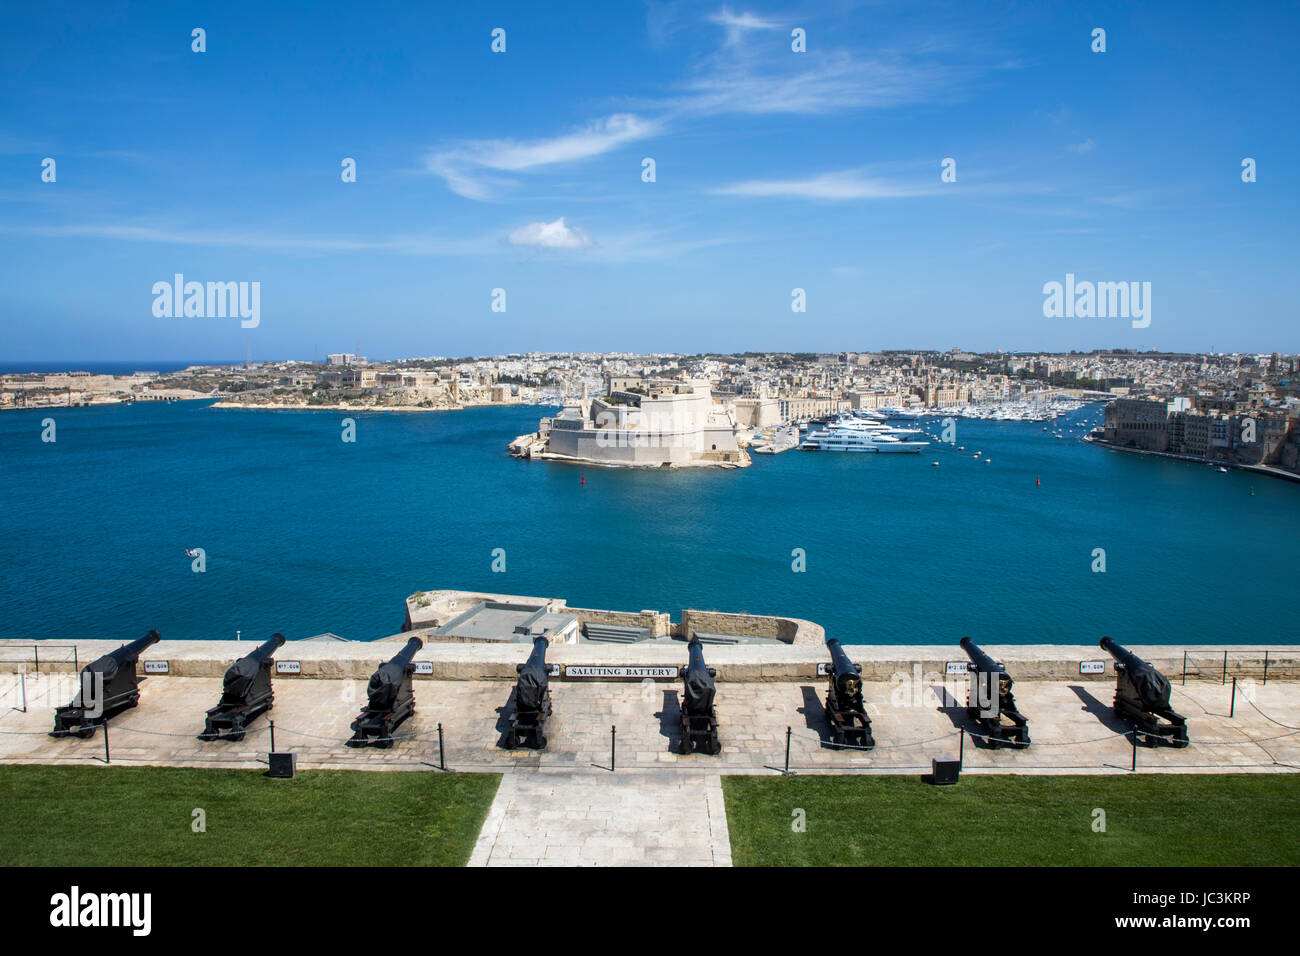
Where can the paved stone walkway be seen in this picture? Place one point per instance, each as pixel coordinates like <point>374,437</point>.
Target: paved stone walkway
<point>582,818</point>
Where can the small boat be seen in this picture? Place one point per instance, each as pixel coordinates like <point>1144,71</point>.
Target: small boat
<point>1221,470</point>
<point>934,464</point>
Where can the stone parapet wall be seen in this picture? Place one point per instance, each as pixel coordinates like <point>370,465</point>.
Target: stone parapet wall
<point>660,624</point>
<point>791,630</point>
<point>767,662</point>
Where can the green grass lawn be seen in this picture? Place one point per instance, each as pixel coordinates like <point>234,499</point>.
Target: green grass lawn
<point>142,816</point>
<point>1151,820</point>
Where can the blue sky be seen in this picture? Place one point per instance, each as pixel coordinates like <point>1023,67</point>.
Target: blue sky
<point>523,171</point>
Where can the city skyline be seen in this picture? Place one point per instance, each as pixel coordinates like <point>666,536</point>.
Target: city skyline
<point>775,170</point>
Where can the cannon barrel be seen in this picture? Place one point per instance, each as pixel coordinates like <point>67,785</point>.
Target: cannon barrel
<point>108,664</point>
<point>267,648</point>
<point>1120,653</point>
<point>403,657</point>
<point>981,660</point>
<point>129,652</point>
<point>845,672</point>
<point>537,657</point>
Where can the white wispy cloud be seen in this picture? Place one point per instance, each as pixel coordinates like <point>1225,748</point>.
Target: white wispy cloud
<point>413,244</point>
<point>615,247</point>
<point>738,24</point>
<point>1085,147</point>
<point>832,187</point>
<point>469,167</point>
<point>550,235</point>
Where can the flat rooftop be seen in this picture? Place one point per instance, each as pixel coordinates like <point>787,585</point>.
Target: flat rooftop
<point>509,623</point>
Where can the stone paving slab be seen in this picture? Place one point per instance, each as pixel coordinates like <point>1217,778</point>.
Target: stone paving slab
<point>1071,725</point>
<point>575,818</point>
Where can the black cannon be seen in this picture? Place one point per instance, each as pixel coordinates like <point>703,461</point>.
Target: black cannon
<point>245,693</point>
<point>391,700</point>
<point>1142,698</point>
<point>109,685</point>
<point>850,725</point>
<point>532,700</point>
<point>993,707</point>
<point>699,716</point>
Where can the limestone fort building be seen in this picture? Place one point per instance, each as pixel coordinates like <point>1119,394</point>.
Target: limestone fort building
<point>641,424</point>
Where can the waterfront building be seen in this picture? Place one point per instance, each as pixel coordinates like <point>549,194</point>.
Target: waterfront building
<point>661,423</point>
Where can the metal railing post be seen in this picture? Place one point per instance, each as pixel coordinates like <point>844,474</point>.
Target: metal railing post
<point>36,657</point>
<point>1266,668</point>
<point>961,748</point>
<point>107,757</point>
<point>22,679</point>
<point>442,754</point>
<point>1135,752</point>
<point>1225,668</point>
<point>273,736</point>
<point>1232,708</point>
<point>613,734</point>
<point>787,751</point>
<point>1184,668</point>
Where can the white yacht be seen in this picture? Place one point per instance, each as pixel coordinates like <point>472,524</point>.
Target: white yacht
<point>840,438</point>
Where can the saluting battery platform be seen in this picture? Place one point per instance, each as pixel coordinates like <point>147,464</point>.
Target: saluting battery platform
<point>109,685</point>
<point>993,707</point>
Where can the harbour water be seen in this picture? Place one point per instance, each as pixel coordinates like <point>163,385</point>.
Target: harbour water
<point>305,533</point>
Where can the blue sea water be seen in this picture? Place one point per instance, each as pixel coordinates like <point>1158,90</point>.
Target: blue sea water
<point>305,533</point>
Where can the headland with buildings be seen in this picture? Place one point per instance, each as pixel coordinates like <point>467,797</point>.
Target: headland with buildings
<point>676,410</point>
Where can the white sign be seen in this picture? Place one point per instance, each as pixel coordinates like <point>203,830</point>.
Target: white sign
<point>958,667</point>
<point>625,671</point>
<point>823,669</point>
<point>155,667</point>
<point>1092,667</point>
<point>424,667</point>
<point>288,667</point>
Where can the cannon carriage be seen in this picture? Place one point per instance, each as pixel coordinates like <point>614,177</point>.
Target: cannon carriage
<point>108,686</point>
<point>532,700</point>
<point>390,700</point>
<point>990,702</point>
<point>1142,698</point>
<point>845,711</point>
<point>245,694</point>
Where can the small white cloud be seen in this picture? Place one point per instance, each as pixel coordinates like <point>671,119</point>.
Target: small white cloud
<point>550,235</point>
<point>1084,147</point>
